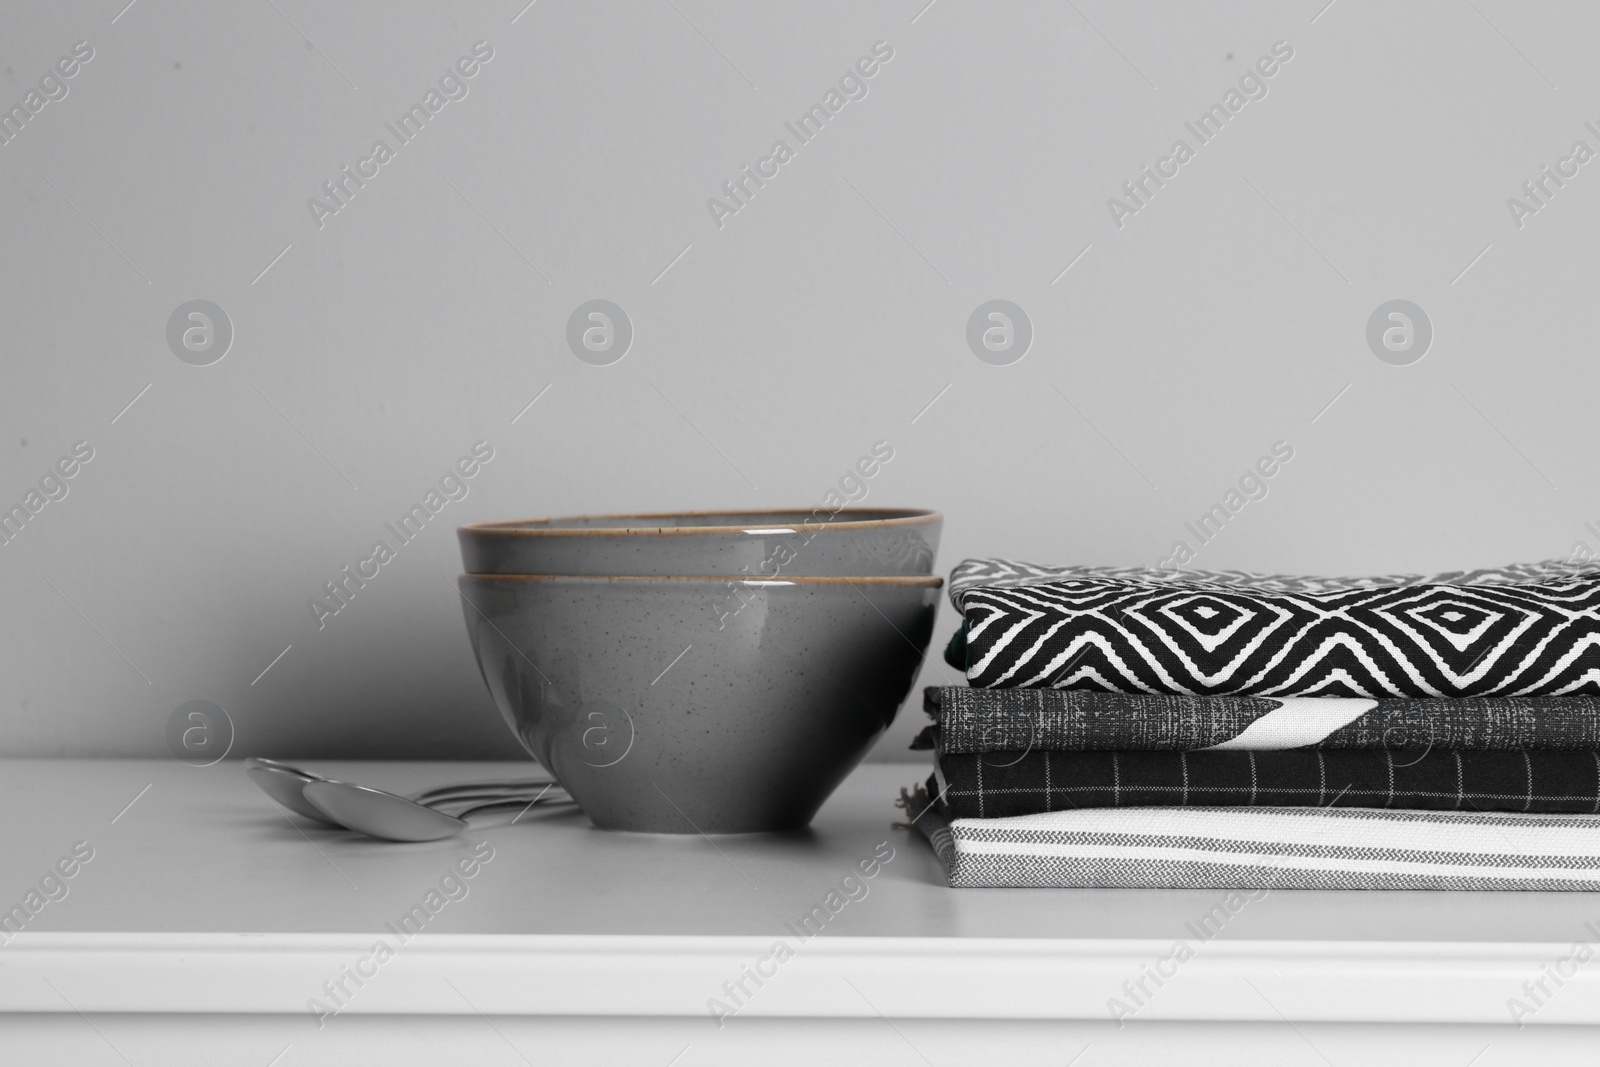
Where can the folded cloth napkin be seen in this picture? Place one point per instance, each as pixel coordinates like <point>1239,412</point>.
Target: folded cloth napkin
<point>1124,635</point>
<point>1001,784</point>
<point>1015,720</point>
<point>1008,573</point>
<point>1264,848</point>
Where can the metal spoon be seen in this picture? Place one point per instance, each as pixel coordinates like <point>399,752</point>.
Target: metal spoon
<point>422,796</point>
<point>286,784</point>
<point>391,817</point>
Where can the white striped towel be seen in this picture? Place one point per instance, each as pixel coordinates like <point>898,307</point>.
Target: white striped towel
<point>1265,848</point>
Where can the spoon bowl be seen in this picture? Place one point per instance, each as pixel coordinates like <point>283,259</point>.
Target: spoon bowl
<point>285,787</point>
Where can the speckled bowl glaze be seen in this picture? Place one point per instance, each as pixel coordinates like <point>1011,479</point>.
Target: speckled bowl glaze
<point>754,544</point>
<point>685,705</point>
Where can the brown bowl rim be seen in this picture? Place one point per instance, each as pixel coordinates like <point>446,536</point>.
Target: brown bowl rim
<point>891,518</point>
<point>908,581</point>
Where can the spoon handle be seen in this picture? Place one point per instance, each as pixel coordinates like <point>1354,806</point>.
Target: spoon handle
<point>546,798</point>
<point>443,792</point>
<point>507,796</point>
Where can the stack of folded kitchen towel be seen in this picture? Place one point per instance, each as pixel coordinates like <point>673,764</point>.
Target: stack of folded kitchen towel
<point>1134,728</point>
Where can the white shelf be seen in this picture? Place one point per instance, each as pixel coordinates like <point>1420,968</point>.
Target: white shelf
<point>202,898</point>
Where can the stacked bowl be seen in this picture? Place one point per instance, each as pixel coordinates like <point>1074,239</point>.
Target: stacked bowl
<point>707,672</point>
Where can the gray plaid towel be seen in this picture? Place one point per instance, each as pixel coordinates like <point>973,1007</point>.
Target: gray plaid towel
<point>1263,848</point>
<point>1016,720</point>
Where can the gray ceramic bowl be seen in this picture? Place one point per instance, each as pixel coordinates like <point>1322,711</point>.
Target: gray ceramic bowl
<point>684,705</point>
<point>755,544</point>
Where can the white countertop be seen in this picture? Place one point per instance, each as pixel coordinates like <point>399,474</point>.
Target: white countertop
<point>203,897</point>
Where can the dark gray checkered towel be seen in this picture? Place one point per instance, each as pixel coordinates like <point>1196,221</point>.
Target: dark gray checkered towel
<point>999,784</point>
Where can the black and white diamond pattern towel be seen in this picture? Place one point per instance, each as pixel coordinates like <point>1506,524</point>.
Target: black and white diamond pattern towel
<point>1156,636</point>
<point>1017,720</point>
<point>1264,848</point>
<point>1008,573</point>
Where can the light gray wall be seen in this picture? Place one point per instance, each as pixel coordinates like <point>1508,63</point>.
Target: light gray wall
<point>1222,317</point>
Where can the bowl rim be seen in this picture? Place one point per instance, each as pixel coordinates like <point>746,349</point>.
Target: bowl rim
<point>908,581</point>
<point>880,518</point>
